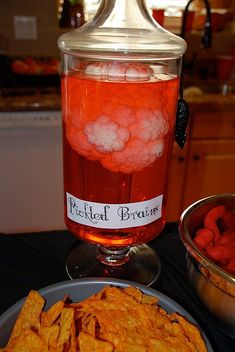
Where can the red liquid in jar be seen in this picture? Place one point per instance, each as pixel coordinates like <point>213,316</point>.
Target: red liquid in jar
<point>112,152</point>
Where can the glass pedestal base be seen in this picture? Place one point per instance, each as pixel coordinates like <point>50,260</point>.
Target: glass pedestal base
<point>139,264</point>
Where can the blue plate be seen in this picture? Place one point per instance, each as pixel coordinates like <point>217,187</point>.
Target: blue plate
<point>80,289</point>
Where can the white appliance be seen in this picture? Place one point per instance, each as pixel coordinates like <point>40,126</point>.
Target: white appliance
<point>31,173</point>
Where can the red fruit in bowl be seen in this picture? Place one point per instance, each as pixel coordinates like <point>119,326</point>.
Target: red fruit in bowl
<point>230,267</point>
<point>227,237</point>
<point>221,252</point>
<point>34,67</point>
<point>54,62</point>
<point>49,69</point>
<point>204,238</point>
<point>19,66</point>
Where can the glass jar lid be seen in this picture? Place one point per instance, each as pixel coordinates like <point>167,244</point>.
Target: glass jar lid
<point>121,30</point>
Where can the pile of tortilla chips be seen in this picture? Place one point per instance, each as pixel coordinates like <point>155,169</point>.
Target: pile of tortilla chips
<point>114,319</point>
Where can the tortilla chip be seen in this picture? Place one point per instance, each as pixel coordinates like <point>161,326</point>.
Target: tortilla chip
<point>117,295</point>
<point>132,291</point>
<point>89,325</point>
<point>73,339</point>
<point>66,320</point>
<point>28,341</point>
<point>114,319</point>
<point>52,314</point>
<point>56,349</point>
<point>146,299</point>
<point>127,347</point>
<point>89,343</point>
<point>50,334</point>
<point>29,316</point>
<point>192,332</point>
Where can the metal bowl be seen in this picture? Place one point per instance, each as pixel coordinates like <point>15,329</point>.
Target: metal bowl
<point>214,286</point>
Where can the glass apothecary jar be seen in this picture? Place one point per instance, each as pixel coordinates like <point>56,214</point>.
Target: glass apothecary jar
<point>120,84</point>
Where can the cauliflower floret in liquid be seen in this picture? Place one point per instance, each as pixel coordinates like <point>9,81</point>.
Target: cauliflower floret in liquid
<point>149,125</point>
<point>136,156</point>
<point>106,135</point>
<point>128,145</point>
<point>117,71</point>
<point>121,125</point>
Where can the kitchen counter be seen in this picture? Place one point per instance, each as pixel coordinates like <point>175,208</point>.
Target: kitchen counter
<point>30,99</point>
<point>213,100</point>
<point>49,98</point>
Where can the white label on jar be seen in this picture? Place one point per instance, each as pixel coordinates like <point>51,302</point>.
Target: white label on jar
<point>113,216</point>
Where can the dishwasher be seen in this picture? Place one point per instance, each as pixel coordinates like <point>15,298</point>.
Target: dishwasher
<point>31,187</point>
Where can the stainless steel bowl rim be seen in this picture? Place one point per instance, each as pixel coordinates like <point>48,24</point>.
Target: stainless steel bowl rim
<point>187,240</point>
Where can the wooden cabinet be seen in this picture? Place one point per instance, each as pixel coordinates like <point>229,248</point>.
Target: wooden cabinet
<point>206,165</point>
<point>210,169</point>
<point>176,182</point>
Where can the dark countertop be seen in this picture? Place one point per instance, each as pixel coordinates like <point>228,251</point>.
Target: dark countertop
<point>36,260</point>
<point>30,103</point>
<point>30,98</point>
<point>212,101</point>
<point>49,98</point>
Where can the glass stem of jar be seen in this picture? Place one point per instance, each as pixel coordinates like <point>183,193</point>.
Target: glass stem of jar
<point>113,256</point>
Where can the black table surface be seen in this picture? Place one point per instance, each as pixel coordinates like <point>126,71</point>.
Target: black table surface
<point>36,260</point>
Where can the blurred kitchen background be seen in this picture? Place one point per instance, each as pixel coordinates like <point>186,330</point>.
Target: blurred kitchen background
<point>31,180</point>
